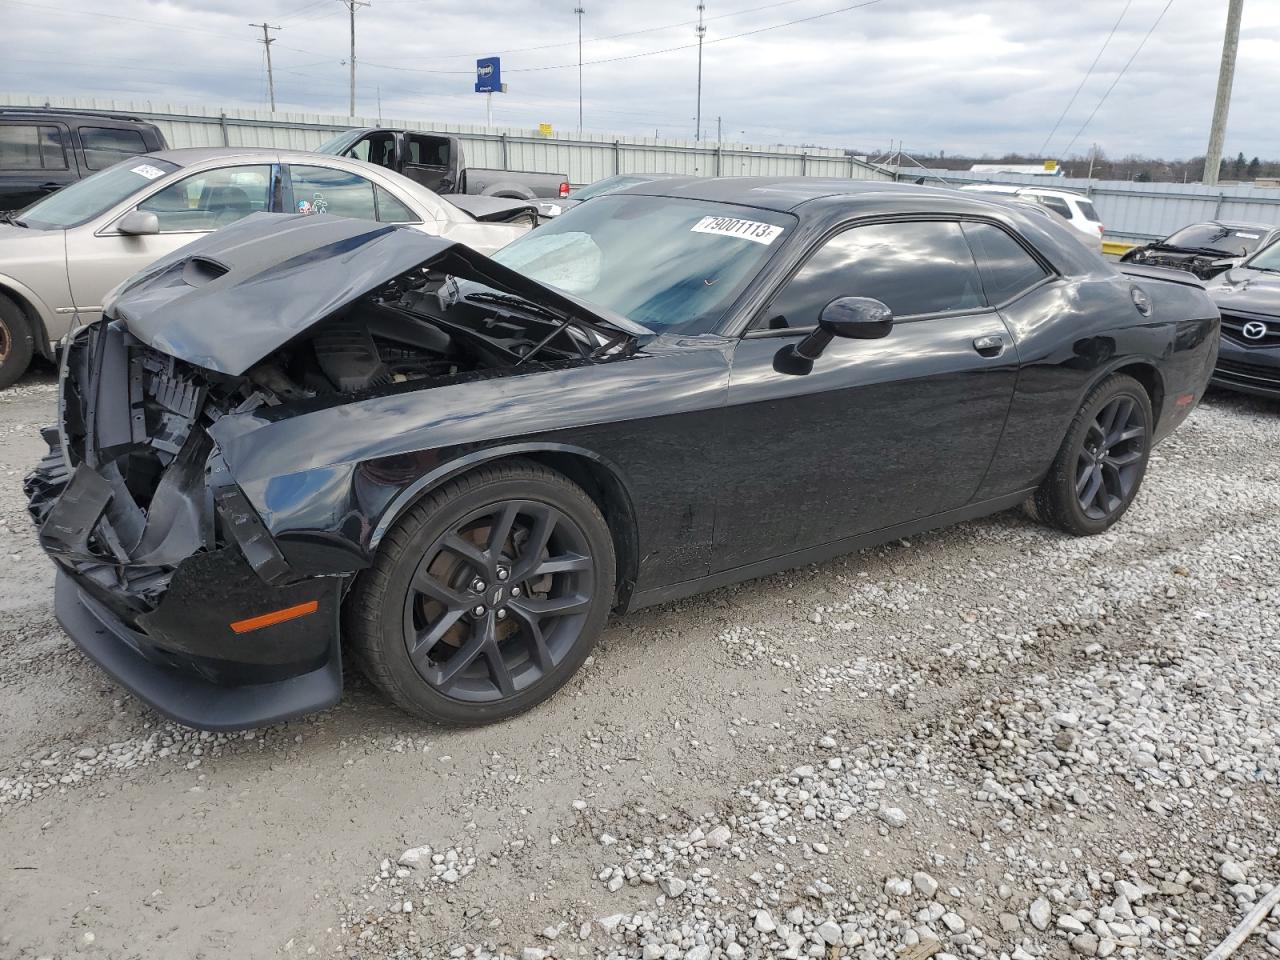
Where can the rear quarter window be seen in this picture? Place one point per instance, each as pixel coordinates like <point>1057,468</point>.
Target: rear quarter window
<point>104,146</point>
<point>1005,267</point>
<point>1090,213</point>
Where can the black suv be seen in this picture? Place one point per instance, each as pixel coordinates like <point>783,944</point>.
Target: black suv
<point>44,150</point>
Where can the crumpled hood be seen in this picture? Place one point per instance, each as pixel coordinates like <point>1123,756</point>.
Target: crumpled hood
<point>1253,291</point>
<point>491,209</point>
<point>227,300</point>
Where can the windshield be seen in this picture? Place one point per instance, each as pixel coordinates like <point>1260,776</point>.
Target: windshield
<point>1267,259</point>
<point>335,144</point>
<point>84,200</point>
<point>668,264</point>
<point>1229,241</point>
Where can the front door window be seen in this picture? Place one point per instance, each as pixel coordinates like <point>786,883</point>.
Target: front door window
<point>211,199</point>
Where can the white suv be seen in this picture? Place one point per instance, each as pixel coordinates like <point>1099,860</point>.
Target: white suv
<point>1075,208</point>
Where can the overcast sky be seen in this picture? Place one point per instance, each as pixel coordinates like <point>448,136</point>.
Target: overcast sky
<point>961,75</point>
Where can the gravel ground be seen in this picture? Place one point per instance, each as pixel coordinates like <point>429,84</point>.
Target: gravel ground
<point>990,741</point>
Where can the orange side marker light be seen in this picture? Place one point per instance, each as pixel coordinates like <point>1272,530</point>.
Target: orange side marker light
<point>275,616</point>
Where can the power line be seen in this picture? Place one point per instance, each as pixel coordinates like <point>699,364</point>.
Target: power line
<point>303,9</point>
<point>618,36</point>
<point>1088,73</point>
<point>1122,72</point>
<point>634,56</point>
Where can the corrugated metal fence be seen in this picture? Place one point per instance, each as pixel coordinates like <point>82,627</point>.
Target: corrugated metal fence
<point>582,159</point>
<point>1131,211</point>
<point>1142,211</point>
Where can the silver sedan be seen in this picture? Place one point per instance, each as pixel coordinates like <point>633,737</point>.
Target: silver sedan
<point>60,256</point>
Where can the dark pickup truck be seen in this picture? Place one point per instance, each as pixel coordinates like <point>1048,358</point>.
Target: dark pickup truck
<point>44,150</point>
<point>437,161</point>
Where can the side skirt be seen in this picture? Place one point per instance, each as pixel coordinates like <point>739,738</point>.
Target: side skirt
<point>825,551</point>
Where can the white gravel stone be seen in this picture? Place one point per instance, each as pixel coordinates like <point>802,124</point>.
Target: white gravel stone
<point>1232,872</point>
<point>1040,913</point>
<point>925,885</point>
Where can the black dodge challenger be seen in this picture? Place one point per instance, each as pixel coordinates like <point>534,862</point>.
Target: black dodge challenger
<point>308,433</point>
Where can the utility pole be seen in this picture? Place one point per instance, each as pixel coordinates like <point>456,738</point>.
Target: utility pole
<point>351,8</point>
<point>267,41</point>
<point>579,11</point>
<point>697,133</point>
<point>1093,155</point>
<point>719,132</point>
<point>1226,73</point>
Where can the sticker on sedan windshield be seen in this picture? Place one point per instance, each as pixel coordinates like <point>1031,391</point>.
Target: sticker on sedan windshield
<point>148,171</point>
<point>1249,236</point>
<point>752,230</point>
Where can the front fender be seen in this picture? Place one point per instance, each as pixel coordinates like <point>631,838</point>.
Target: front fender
<point>441,474</point>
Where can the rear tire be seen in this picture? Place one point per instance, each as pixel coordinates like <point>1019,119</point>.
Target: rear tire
<point>485,597</point>
<point>1102,461</point>
<point>17,342</point>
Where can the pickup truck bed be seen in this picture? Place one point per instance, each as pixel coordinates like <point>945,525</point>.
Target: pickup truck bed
<point>437,161</point>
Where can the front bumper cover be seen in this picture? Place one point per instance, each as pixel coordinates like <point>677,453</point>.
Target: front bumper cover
<point>1252,370</point>
<point>182,694</point>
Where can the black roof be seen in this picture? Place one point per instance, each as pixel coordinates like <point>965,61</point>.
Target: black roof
<point>786,193</point>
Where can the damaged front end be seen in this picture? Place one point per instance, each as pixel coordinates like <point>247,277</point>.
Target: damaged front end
<point>169,577</point>
<point>162,561</point>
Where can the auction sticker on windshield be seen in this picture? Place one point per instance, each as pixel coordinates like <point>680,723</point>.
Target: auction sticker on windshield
<point>752,230</point>
<point>148,171</point>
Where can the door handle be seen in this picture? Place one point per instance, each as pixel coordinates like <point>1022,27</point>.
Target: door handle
<point>991,345</point>
<point>50,186</point>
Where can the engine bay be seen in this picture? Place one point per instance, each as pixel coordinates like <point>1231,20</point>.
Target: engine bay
<point>427,326</point>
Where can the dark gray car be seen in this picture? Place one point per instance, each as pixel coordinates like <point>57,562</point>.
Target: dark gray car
<point>553,208</point>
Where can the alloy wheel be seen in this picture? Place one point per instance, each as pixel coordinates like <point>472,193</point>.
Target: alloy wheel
<point>1111,456</point>
<point>498,600</point>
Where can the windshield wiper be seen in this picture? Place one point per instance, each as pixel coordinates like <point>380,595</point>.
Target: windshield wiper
<point>10,216</point>
<point>511,300</point>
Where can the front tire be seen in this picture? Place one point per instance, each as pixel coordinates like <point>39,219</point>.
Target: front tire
<point>17,343</point>
<point>486,596</point>
<point>1102,461</point>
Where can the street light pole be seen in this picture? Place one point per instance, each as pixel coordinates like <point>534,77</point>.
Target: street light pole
<point>1226,73</point>
<point>697,133</point>
<point>267,41</point>
<point>579,11</point>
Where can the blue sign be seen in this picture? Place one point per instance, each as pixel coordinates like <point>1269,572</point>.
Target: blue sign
<point>489,75</point>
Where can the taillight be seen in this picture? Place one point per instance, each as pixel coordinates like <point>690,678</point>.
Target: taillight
<point>564,189</point>
<point>1101,229</point>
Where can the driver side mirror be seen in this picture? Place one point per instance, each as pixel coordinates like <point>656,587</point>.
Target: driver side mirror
<point>852,318</point>
<point>139,223</point>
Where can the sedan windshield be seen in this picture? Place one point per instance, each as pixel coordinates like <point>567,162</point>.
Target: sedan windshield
<point>1229,241</point>
<point>666,263</point>
<point>74,204</point>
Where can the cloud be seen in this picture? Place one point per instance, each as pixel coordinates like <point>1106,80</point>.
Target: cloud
<point>980,76</point>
